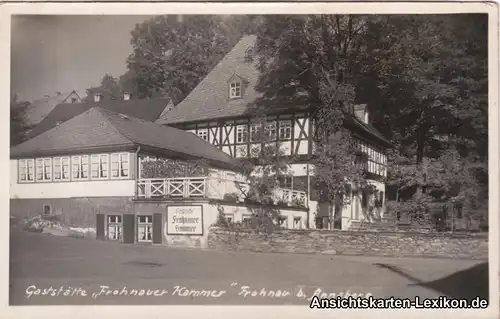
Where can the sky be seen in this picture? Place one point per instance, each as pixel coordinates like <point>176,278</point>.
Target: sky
<point>62,53</point>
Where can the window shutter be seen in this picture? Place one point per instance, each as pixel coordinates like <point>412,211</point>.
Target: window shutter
<point>157,228</point>
<point>314,196</point>
<point>100,225</point>
<point>129,228</point>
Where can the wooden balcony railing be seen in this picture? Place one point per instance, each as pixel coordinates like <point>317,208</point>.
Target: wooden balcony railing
<point>189,187</point>
<point>291,196</point>
<point>200,187</point>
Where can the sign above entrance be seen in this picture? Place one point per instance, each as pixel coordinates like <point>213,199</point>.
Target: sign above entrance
<point>184,220</point>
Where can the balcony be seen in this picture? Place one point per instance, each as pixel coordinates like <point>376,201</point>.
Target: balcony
<point>191,187</point>
<point>207,187</point>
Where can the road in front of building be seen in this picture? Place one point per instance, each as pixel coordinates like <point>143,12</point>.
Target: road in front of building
<point>49,270</point>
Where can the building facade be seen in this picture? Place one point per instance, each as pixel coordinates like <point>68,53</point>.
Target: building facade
<point>98,170</point>
<point>218,111</point>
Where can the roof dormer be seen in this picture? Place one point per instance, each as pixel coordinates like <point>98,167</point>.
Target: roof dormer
<point>236,85</point>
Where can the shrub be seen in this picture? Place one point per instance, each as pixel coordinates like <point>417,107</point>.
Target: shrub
<point>298,203</point>
<point>231,197</point>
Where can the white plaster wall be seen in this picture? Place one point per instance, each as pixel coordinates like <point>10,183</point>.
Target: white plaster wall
<point>237,212</point>
<point>356,212</point>
<point>228,138</point>
<point>104,188</point>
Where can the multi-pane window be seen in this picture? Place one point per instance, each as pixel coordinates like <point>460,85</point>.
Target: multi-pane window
<point>61,168</point>
<point>235,90</point>
<point>99,166</point>
<point>43,169</point>
<point>241,133</point>
<point>254,132</point>
<point>246,219</point>
<point>271,130</point>
<point>203,134</point>
<point>115,227</point>
<point>144,228</point>
<point>376,158</point>
<point>297,222</point>
<point>80,167</point>
<point>285,130</point>
<point>283,221</point>
<point>47,210</point>
<point>229,218</point>
<point>26,170</point>
<point>120,165</point>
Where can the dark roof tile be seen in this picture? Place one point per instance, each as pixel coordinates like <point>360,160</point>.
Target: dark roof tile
<point>210,98</point>
<point>147,109</point>
<point>98,127</point>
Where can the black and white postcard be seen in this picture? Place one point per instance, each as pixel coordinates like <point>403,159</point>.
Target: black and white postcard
<point>334,158</point>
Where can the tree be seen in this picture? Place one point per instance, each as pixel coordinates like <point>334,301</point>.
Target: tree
<point>316,61</point>
<point>423,78</point>
<point>172,55</point>
<point>109,88</point>
<point>18,122</point>
<point>264,172</point>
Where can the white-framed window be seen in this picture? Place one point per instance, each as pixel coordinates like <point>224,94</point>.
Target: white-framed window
<point>144,228</point>
<point>235,90</point>
<point>229,218</point>
<point>297,222</point>
<point>271,130</point>
<point>99,166</point>
<point>43,169</point>
<point>283,221</point>
<point>203,134</point>
<point>47,209</point>
<point>254,132</point>
<point>115,227</point>
<point>61,168</point>
<point>285,130</point>
<point>26,170</point>
<point>120,165</point>
<point>246,218</point>
<point>241,133</point>
<point>80,167</point>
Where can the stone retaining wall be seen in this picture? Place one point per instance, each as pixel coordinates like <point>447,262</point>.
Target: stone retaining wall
<point>396,244</point>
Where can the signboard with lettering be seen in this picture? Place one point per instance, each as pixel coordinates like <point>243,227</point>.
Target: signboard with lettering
<point>185,220</point>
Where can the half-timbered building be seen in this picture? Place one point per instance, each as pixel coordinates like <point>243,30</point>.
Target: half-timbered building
<point>98,170</point>
<point>218,111</point>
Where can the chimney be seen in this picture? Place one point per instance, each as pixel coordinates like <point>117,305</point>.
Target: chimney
<point>97,97</point>
<point>361,112</point>
<point>126,96</point>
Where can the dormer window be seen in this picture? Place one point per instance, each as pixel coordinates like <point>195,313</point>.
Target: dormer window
<point>235,90</point>
<point>97,97</point>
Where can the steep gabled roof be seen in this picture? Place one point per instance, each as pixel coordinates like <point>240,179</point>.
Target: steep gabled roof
<point>39,109</point>
<point>167,109</point>
<point>98,128</point>
<point>147,109</point>
<point>210,98</point>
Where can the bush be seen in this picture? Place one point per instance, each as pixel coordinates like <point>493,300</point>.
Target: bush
<point>39,223</point>
<point>298,203</point>
<point>231,197</point>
